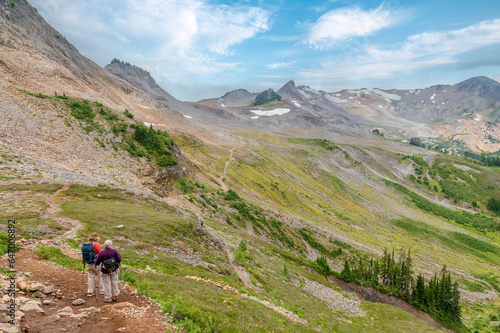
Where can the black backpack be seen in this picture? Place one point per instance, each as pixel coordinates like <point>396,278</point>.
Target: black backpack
<point>88,253</point>
<point>110,265</point>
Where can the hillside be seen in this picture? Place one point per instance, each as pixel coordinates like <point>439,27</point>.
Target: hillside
<point>290,192</point>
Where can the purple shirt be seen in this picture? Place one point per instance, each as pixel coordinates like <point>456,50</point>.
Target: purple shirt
<point>106,254</point>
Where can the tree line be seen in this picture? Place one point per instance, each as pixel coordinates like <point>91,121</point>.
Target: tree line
<point>439,297</point>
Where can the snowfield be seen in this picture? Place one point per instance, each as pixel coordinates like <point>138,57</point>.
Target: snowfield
<point>279,112</point>
<point>385,95</point>
<point>335,99</point>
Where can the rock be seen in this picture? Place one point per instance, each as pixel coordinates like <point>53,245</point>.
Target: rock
<point>31,306</point>
<point>35,287</point>
<point>123,305</point>
<point>54,317</point>
<point>47,302</point>
<point>19,314</point>
<point>38,294</point>
<point>8,328</point>
<point>22,285</point>
<point>121,226</point>
<point>106,318</point>
<point>122,329</point>
<point>78,302</point>
<point>92,308</point>
<point>65,312</point>
<point>5,299</point>
<point>137,260</point>
<point>48,290</point>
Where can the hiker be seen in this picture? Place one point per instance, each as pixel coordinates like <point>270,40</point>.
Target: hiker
<point>110,259</point>
<point>201,221</point>
<point>89,255</point>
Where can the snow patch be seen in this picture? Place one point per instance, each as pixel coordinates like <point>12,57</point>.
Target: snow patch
<point>434,95</point>
<point>393,97</point>
<point>335,99</point>
<point>188,117</point>
<point>296,104</point>
<point>477,117</point>
<point>303,93</point>
<point>254,117</point>
<point>145,107</point>
<point>147,124</point>
<point>279,112</point>
<point>418,92</point>
<point>380,106</point>
<point>222,105</point>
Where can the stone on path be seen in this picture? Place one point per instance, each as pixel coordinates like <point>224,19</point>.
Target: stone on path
<point>78,302</point>
<point>8,328</point>
<point>32,306</point>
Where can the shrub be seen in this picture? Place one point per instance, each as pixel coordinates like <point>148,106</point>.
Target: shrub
<point>166,161</point>
<point>81,110</point>
<point>13,5</point>
<point>128,114</point>
<point>231,196</point>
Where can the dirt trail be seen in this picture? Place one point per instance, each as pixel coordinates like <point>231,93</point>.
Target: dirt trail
<point>132,313</point>
<point>224,172</point>
<point>136,313</point>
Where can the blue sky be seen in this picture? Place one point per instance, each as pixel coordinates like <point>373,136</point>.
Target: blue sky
<point>197,49</point>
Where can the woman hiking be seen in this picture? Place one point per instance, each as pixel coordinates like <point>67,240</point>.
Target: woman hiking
<point>110,259</point>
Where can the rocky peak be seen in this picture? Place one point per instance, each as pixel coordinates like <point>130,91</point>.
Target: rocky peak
<point>482,86</point>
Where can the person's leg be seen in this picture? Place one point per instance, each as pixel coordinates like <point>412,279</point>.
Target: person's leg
<point>107,286</point>
<point>91,278</point>
<point>101,284</point>
<point>114,284</point>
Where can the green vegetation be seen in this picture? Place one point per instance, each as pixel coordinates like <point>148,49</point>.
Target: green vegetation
<point>265,97</point>
<point>440,297</point>
<point>55,255</point>
<point>81,110</point>
<point>158,143</point>
<point>477,221</point>
<point>32,187</point>
<point>13,5</point>
<point>128,114</point>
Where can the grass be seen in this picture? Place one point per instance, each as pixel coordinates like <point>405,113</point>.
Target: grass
<point>44,188</point>
<point>55,255</point>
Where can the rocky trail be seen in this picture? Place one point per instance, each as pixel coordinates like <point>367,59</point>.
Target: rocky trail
<point>52,298</point>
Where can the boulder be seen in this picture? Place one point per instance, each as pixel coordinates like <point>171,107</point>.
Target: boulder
<point>47,302</point>
<point>5,299</point>
<point>22,285</point>
<point>48,290</point>
<point>65,312</point>
<point>8,328</point>
<point>78,302</point>
<point>123,305</point>
<point>55,317</point>
<point>31,307</point>
<point>35,287</point>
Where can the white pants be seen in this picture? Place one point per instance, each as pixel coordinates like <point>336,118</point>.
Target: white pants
<point>110,285</point>
<point>92,277</point>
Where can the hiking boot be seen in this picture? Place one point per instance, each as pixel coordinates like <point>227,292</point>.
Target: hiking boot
<point>90,294</point>
<point>107,300</point>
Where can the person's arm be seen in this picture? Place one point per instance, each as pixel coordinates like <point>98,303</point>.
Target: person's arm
<point>99,259</point>
<point>118,256</point>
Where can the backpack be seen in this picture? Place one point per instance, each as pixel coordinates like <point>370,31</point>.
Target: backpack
<point>109,266</point>
<point>88,253</point>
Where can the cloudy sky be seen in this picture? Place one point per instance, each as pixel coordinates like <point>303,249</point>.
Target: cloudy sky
<point>197,49</point>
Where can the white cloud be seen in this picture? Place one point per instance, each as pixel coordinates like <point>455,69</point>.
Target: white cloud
<point>192,36</point>
<point>418,52</point>
<point>338,25</point>
<point>279,65</point>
